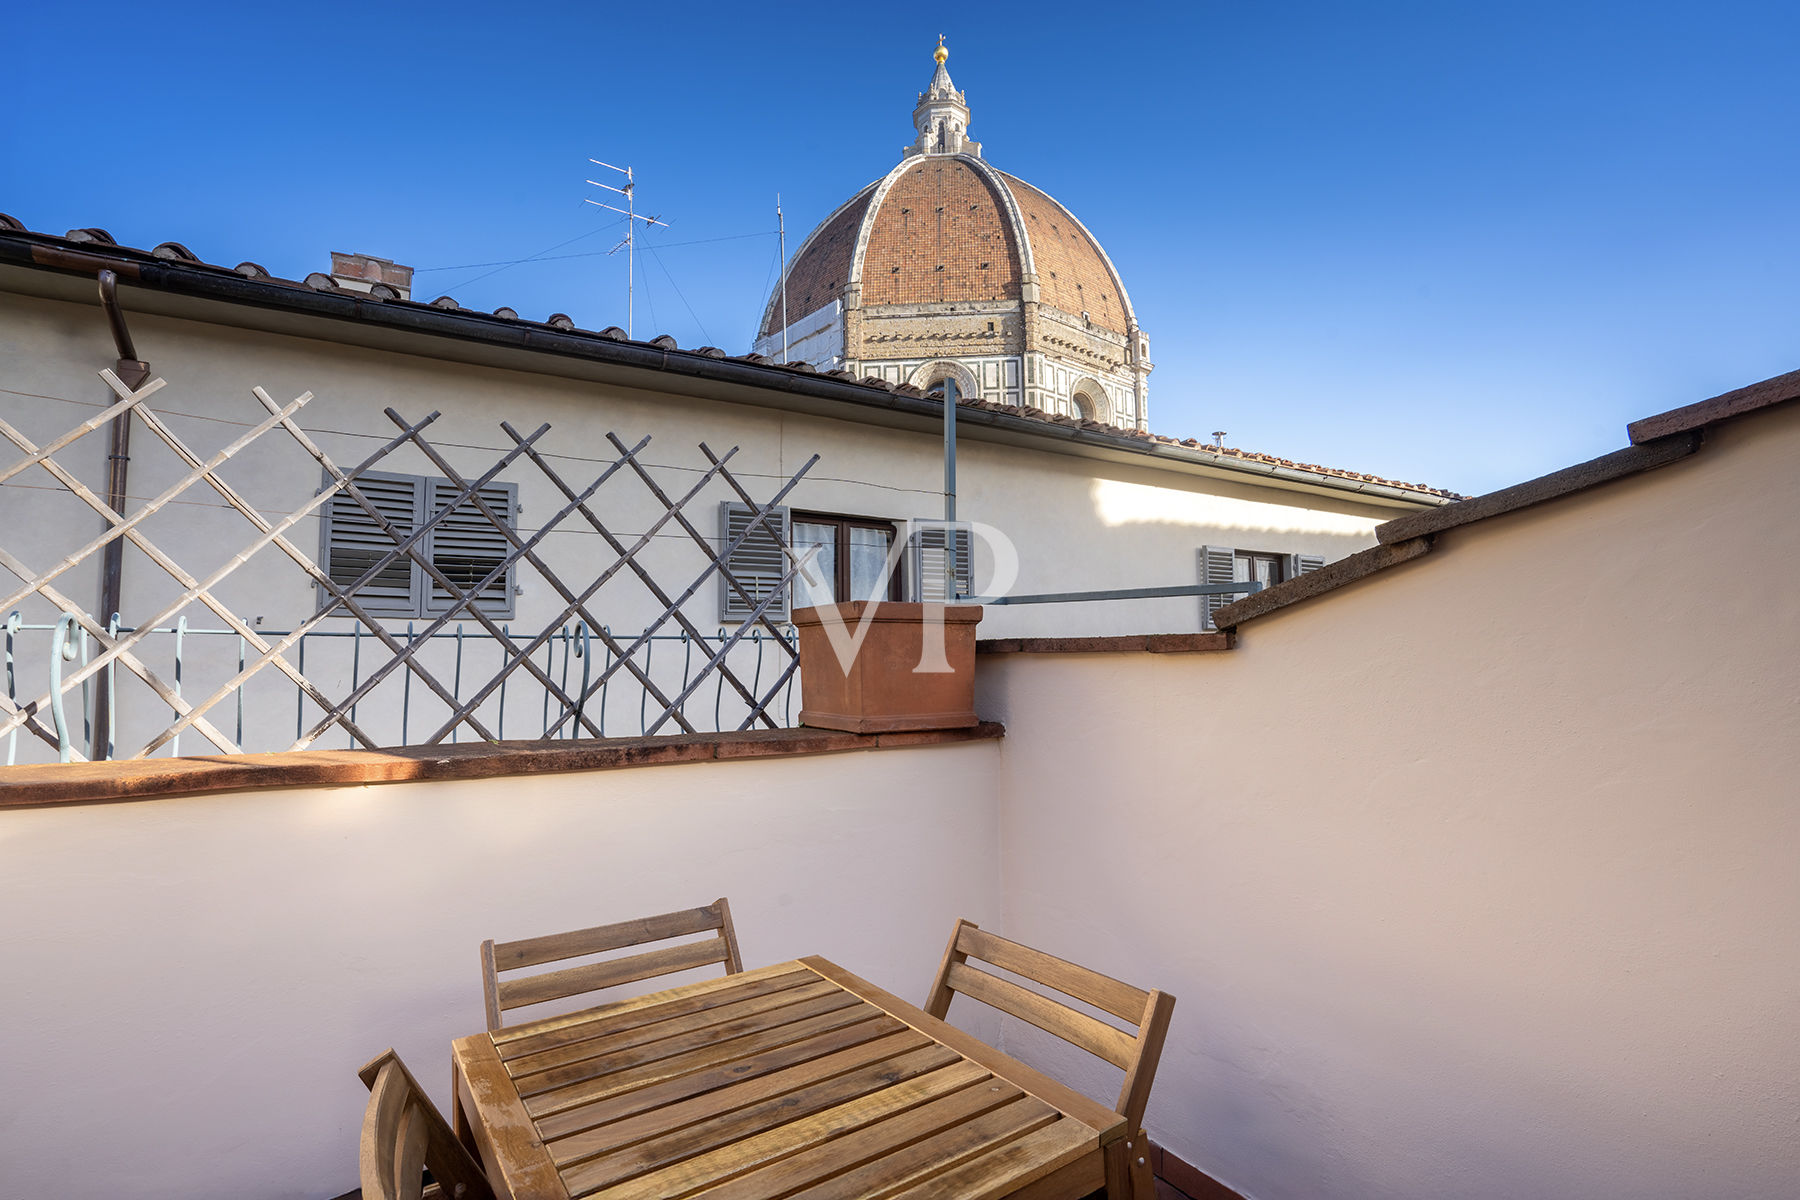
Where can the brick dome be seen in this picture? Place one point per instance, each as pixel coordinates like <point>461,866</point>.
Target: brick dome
<point>945,268</point>
<point>946,229</point>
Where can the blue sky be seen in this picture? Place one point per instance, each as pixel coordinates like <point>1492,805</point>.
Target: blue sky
<point>1448,243</point>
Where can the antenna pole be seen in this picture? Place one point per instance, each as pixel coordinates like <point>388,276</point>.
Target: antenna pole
<point>630,256</point>
<point>629,244</point>
<point>781,229</point>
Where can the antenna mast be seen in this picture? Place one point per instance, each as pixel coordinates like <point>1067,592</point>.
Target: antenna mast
<point>781,229</point>
<point>629,243</point>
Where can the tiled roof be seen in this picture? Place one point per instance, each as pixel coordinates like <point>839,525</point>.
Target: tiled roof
<point>1073,274</point>
<point>1226,452</point>
<point>100,242</point>
<point>940,236</point>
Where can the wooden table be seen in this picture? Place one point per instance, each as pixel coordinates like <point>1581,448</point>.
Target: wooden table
<point>796,1078</point>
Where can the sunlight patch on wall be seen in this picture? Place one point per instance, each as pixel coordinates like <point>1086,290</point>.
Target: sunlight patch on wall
<point>1120,503</point>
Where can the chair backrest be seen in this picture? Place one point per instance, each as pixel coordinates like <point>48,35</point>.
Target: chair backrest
<point>1136,1052</point>
<point>504,995</point>
<point>403,1133</point>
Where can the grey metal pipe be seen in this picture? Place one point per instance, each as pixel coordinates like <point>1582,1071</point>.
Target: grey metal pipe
<point>118,468</point>
<point>950,449</point>
<point>950,538</point>
<point>109,300</point>
<point>1247,587</point>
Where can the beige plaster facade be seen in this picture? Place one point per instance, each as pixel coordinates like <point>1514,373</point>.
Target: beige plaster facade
<point>1475,878</point>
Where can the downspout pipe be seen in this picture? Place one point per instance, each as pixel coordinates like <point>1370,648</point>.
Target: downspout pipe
<point>950,538</point>
<point>133,372</point>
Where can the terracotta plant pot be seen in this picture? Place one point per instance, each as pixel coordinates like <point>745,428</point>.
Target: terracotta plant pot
<point>880,692</point>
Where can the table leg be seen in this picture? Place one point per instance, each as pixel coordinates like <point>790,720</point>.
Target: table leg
<point>1118,1171</point>
<point>459,1117</point>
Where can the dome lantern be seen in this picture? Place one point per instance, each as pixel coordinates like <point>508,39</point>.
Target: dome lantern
<point>941,119</point>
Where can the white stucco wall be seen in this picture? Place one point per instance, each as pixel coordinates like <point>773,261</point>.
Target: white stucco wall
<point>1475,879</point>
<point>1077,523</point>
<point>191,984</point>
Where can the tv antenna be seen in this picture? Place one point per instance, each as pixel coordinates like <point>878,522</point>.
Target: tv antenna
<point>781,231</point>
<point>629,242</point>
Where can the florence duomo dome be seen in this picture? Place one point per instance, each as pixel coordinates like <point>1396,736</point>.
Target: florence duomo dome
<point>947,268</point>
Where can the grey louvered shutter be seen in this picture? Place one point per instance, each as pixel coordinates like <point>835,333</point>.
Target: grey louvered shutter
<point>758,564</point>
<point>931,542</point>
<point>1218,564</point>
<point>1300,564</point>
<point>352,543</point>
<point>466,546</point>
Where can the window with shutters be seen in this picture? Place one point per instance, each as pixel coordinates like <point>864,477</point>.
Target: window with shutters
<point>465,545</point>
<point>850,563</point>
<point>752,551</point>
<point>938,549</point>
<point>852,560</point>
<point>1225,564</point>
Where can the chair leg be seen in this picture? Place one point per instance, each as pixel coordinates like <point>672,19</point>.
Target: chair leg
<point>1143,1176</point>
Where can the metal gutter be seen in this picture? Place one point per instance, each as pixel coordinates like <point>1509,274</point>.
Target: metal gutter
<point>219,284</point>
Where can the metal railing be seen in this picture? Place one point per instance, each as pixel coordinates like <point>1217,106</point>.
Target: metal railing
<point>1240,588</point>
<point>572,655</point>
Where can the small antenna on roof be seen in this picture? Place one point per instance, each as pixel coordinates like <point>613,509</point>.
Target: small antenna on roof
<point>1219,438</point>
<point>781,230</point>
<point>629,242</point>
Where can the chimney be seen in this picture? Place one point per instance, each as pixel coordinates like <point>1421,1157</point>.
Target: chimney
<point>362,272</point>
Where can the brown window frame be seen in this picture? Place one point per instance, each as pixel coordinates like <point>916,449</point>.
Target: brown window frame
<point>1279,562</point>
<point>840,586</point>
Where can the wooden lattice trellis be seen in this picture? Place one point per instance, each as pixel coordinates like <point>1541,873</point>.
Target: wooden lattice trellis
<point>123,648</point>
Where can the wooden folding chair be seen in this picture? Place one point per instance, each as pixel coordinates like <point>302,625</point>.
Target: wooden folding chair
<point>506,994</point>
<point>1136,1052</point>
<point>403,1134</point>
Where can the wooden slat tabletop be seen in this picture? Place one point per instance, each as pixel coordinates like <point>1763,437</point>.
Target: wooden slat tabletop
<point>796,1079</point>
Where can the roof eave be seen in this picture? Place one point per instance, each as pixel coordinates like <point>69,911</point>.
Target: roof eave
<point>628,362</point>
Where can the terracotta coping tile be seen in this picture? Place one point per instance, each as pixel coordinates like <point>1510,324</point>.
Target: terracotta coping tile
<point>1136,643</point>
<point>1778,390</point>
<point>143,779</point>
<point>1657,442</point>
<point>1620,463</point>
